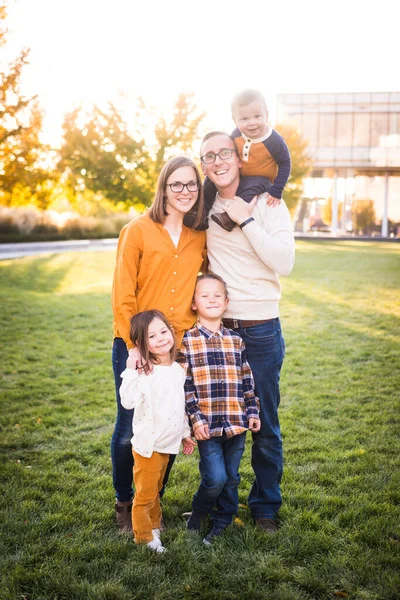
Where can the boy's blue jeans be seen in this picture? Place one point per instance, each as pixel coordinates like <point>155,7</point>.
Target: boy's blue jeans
<point>121,446</point>
<point>219,465</point>
<point>265,349</point>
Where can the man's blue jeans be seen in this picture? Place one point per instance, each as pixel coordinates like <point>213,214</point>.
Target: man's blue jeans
<point>219,469</point>
<point>121,446</point>
<point>265,350</point>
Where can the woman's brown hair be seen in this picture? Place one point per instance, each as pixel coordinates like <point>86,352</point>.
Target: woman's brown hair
<point>157,212</point>
<point>139,336</point>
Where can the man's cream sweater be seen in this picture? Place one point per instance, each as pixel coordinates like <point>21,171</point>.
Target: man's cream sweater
<point>251,259</point>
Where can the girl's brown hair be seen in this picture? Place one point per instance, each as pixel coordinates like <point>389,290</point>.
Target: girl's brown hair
<point>157,212</point>
<point>139,332</point>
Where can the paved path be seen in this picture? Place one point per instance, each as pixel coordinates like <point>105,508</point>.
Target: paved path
<point>31,248</point>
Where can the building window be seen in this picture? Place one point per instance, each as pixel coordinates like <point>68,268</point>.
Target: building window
<point>327,130</point>
<point>310,129</point>
<point>361,130</point>
<point>379,128</point>
<point>344,130</point>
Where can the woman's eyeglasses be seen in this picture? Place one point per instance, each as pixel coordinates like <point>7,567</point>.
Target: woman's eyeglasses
<point>177,186</point>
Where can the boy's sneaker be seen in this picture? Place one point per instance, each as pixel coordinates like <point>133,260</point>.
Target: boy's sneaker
<point>156,532</point>
<point>156,544</point>
<point>194,521</point>
<point>212,534</point>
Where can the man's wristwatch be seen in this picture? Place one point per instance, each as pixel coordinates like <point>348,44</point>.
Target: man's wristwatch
<point>249,220</point>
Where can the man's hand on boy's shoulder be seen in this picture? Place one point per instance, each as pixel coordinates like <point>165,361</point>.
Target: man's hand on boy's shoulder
<point>271,201</point>
<point>254,424</point>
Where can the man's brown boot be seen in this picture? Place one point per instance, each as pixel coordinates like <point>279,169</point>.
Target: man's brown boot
<point>268,525</point>
<point>123,514</point>
<point>224,221</point>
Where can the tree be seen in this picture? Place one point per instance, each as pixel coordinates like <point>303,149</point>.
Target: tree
<point>301,164</point>
<point>100,154</point>
<point>364,217</point>
<point>21,151</point>
<point>181,131</point>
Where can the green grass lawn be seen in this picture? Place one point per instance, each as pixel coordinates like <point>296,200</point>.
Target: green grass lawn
<point>340,534</point>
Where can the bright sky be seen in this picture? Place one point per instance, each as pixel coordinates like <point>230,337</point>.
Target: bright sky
<point>100,50</point>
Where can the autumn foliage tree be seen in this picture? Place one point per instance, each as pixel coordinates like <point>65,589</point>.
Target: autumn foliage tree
<point>100,154</point>
<point>22,174</point>
<point>301,164</point>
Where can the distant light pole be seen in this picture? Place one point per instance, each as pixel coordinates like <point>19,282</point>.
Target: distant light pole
<point>385,225</point>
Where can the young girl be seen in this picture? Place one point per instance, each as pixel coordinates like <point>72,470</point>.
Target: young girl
<point>159,420</point>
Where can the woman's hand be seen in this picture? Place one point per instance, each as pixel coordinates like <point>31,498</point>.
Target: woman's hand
<point>135,362</point>
<point>188,445</point>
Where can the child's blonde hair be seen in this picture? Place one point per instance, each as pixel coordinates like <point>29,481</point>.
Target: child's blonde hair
<point>246,97</point>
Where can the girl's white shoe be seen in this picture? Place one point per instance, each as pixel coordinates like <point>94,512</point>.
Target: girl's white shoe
<point>156,544</point>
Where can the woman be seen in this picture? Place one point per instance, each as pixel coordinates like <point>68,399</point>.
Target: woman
<point>158,260</point>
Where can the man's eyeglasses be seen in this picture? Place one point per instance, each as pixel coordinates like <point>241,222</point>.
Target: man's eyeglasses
<point>224,154</point>
<point>177,186</point>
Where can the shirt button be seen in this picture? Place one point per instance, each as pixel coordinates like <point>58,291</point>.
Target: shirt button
<point>172,290</point>
<point>176,256</point>
<point>171,308</point>
<point>174,272</point>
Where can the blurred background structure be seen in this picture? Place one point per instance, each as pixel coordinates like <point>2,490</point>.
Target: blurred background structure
<point>353,140</point>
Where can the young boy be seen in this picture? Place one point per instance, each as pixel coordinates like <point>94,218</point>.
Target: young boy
<point>262,151</point>
<point>221,404</point>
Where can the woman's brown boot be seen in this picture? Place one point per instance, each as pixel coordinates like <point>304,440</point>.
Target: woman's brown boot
<point>123,514</point>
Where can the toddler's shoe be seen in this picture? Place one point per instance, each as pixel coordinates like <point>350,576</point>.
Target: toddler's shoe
<point>190,219</point>
<point>224,221</point>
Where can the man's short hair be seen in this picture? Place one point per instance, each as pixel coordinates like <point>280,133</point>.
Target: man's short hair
<point>212,134</point>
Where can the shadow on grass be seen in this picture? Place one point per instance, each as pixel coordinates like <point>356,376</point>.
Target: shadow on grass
<point>35,274</point>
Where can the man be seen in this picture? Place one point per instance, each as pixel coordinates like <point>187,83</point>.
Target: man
<point>250,259</point>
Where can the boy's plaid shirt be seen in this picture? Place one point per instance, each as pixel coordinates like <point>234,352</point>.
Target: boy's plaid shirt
<point>219,386</point>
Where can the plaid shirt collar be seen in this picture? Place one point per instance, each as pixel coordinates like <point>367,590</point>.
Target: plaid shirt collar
<point>208,333</point>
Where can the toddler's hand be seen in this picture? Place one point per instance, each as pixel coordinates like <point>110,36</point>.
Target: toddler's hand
<point>254,424</point>
<point>271,201</point>
<point>188,445</point>
<point>202,433</point>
